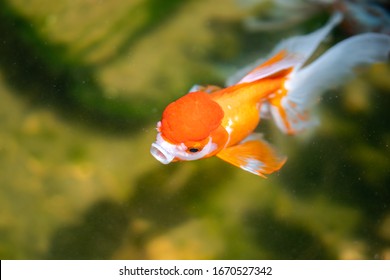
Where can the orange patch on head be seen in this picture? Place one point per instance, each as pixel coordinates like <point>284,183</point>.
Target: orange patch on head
<point>191,118</point>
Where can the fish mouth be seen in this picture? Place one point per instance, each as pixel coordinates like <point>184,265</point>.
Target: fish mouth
<point>161,154</point>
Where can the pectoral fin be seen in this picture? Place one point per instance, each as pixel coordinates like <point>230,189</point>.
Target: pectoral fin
<point>254,155</point>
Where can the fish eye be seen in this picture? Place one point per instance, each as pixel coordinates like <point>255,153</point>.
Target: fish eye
<point>193,150</point>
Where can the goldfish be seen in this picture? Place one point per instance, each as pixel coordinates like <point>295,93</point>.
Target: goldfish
<point>221,121</point>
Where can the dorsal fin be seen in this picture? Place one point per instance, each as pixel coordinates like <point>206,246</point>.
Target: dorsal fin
<point>293,52</point>
<point>305,45</point>
<point>206,89</point>
<point>280,62</point>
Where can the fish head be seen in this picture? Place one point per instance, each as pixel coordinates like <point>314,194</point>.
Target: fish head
<point>190,129</point>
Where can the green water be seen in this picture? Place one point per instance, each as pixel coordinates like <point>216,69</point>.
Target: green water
<point>82,85</point>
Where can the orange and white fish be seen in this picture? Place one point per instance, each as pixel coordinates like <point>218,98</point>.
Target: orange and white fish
<point>212,121</point>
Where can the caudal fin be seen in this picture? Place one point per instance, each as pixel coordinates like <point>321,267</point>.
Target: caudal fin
<point>292,112</point>
<point>336,65</point>
<point>305,86</point>
<point>291,106</point>
<point>292,52</point>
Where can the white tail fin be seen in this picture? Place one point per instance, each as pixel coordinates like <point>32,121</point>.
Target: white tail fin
<point>296,51</point>
<point>336,65</point>
<point>304,46</point>
<point>306,84</point>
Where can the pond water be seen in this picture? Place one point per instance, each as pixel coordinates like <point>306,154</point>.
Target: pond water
<point>82,85</point>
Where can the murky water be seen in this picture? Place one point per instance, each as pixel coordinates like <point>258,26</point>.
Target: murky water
<point>82,84</point>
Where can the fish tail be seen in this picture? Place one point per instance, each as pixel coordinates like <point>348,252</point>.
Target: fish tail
<point>290,53</point>
<point>292,108</point>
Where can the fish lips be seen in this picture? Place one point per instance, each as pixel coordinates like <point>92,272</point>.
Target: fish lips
<point>161,154</point>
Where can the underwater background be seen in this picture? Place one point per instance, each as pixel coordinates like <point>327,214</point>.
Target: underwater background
<point>82,85</point>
